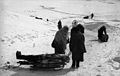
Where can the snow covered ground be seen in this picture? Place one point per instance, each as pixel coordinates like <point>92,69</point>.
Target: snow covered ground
<point>19,30</point>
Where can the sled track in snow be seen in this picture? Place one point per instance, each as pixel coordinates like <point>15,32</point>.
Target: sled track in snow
<point>52,9</point>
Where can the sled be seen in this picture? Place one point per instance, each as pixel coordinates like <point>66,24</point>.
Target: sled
<point>43,61</point>
<point>104,38</point>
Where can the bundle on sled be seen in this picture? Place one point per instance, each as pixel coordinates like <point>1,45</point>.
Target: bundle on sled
<point>104,38</point>
<point>43,61</point>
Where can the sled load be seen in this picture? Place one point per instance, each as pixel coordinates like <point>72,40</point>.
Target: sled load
<point>43,61</point>
<point>104,38</point>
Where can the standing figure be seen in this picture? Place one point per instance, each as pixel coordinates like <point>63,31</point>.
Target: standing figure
<point>77,46</point>
<point>60,41</point>
<point>59,24</point>
<point>92,15</point>
<point>102,34</point>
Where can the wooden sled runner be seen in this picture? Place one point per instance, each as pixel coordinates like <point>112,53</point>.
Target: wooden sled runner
<point>43,61</point>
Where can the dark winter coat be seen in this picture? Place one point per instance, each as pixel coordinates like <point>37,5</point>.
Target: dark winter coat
<point>81,28</point>
<point>102,34</point>
<point>102,31</point>
<point>77,46</point>
<point>60,40</point>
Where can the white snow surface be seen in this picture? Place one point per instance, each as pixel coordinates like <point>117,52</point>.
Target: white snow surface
<point>20,31</point>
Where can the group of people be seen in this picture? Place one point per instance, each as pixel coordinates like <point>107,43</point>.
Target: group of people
<point>76,41</point>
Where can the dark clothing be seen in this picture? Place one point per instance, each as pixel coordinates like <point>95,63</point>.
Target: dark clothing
<point>59,47</point>
<point>92,15</point>
<point>101,31</point>
<point>75,63</point>
<point>104,38</point>
<point>81,28</point>
<point>86,17</point>
<point>77,46</point>
<point>60,41</point>
<point>59,25</point>
<point>102,35</point>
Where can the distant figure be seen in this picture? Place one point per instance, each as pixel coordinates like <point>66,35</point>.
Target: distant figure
<point>77,46</point>
<point>92,15</point>
<point>59,24</point>
<point>18,54</point>
<point>60,40</point>
<point>38,18</point>
<point>47,20</point>
<point>102,34</point>
<point>86,17</point>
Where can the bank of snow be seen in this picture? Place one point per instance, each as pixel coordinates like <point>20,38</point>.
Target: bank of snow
<point>21,31</point>
<point>101,59</point>
<point>25,34</point>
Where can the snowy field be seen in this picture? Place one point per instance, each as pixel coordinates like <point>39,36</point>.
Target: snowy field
<point>20,31</point>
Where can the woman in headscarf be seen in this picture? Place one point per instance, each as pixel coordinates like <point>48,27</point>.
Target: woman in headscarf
<point>60,40</point>
<point>77,46</point>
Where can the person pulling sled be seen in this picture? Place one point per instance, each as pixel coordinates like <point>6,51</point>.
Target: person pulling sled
<point>102,34</point>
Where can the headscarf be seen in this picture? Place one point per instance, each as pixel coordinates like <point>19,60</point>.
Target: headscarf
<point>74,23</point>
